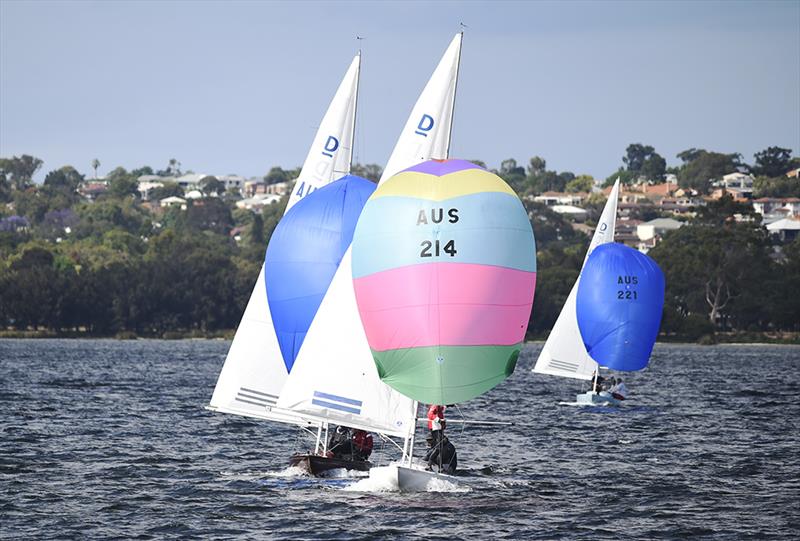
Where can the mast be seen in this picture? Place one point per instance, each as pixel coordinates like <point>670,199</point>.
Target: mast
<point>455,93</point>
<point>355,113</point>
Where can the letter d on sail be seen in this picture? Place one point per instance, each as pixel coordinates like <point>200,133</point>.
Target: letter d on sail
<point>425,125</point>
<point>330,146</point>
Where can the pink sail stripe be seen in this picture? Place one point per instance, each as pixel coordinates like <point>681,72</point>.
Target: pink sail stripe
<point>452,304</point>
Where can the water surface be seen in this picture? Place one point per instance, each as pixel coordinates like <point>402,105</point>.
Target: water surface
<point>109,439</point>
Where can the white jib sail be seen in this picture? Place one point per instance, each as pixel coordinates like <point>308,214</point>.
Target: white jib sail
<point>564,353</point>
<point>427,131</point>
<point>254,372</point>
<point>334,376</point>
<point>332,151</point>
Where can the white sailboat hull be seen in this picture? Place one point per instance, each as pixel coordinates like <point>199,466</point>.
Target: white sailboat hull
<point>409,479</point>
<point>603,398</point>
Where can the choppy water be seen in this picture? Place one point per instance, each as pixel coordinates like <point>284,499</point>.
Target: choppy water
<point>106,439</point>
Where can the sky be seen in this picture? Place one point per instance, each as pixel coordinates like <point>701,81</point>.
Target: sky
<point>239,87</point>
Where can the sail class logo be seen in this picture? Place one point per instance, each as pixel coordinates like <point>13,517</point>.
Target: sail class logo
<point>425,125</point>
<point>331,145</point>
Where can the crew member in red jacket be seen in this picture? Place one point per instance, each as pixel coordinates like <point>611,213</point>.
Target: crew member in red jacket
<point>362,444</point>
<point>436,418</point>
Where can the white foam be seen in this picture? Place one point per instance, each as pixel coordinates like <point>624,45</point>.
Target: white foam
<point>291,471</point>
<point>442,485</point>
<point>381,479</point>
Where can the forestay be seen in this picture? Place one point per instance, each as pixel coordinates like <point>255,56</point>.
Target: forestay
<point>254,371</point>
<point>564,353</point>
<point>334,376</point>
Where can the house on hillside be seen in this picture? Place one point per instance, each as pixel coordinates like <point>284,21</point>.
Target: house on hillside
<point>651,232</point>
<point>233,182</point>
<point>561,198</point>
<point>786,229</point>
<point>174,201</point>
<point>92,190</point>
<point>773,209</point>
<point>257,202</point>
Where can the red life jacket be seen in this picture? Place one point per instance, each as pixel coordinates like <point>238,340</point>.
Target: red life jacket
<point>436,417</point>
<point>362,441</point>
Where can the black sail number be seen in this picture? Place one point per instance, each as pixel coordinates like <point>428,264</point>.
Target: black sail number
<point>435,249</point>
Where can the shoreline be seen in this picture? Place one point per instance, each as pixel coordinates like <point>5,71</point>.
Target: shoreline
<point>744,339</point>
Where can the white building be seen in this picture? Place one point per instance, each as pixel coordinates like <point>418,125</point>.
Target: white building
<point>576,213</point>
<point>786,229</point>
<point>173,201</point>
<point>658,227</point>
<point>232,182</point>
<point>257,202</point>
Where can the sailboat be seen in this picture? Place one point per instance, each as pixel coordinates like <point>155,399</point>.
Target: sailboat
<point>255,369</point>
<point>444,269</point>
<point>618,307</point>
<point>564,353</point>
<point>334,379</point>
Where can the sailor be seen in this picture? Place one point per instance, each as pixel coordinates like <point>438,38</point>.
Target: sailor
<point>436,421</point>
<point>618,390</point>
<point>362,444</point>
<point>441,455</point>
<point>598,382</point>
<point>340,444</point>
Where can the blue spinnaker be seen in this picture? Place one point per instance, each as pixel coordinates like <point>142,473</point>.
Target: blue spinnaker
<point>303,254</point>
<point>619,305</point>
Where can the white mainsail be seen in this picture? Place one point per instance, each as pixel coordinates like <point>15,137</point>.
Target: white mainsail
<point>254,372</point>
<point>564,353</point>
<point>334,378</point>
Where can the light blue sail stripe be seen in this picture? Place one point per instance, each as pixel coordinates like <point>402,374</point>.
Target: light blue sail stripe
<point>489,227</point>
<point>328,396</point>
<point>333,406</point>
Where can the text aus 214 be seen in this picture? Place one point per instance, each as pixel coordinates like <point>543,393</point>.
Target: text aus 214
<point>435,248</point>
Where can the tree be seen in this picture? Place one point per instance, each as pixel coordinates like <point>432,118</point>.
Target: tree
<point>66,178</point>
<point>276,175</point>
<point>212,185</point>
<point>121,183</point>
<point>513,174</point>
<point>370,171</point>
<point>706,167</point>
<point>644,161</point>
<point>144,170</point>
<point>773,162</point>
<point>537,166</point>
<point>581,183</point>
<point>95,165</point>
<point>169,189</point>
<point>625,177</point>
<point>20,169</point>
<point>690,154</point>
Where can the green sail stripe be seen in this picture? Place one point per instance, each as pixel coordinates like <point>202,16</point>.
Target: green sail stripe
<point>463,373</point>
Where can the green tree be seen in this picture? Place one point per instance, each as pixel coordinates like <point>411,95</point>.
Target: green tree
<point>212,185</point>
<point>370,171</point>
<point>705,167</point>
<point>773,162</point>
<point>581,183</point>
<point>20,169</point>
<point>95,165</point>
<point>644,161</point>
<point>121,183</point>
